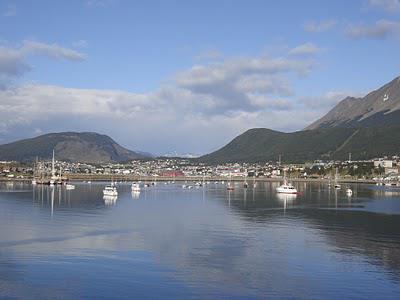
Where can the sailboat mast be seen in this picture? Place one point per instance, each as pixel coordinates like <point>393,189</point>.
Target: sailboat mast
<point>53,171</point>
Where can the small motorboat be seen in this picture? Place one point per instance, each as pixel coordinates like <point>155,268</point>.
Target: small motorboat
<point>110,190</point>
<point>286,188</point>
<point>135,187</point>
<point>69,186</point>
<point>230,187</point>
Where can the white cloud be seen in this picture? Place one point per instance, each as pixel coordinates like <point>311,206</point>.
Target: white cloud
<point>317,27</point>
<point>232,95</point>
<point>327,100</point>
<point>172,114</point>
<point>391,6</point>
<point>13,61</point>
<point>229,85</point>
<point>264,84</point>
<point>50,50</point>
<point>305,49</point>
<point>380,30</point>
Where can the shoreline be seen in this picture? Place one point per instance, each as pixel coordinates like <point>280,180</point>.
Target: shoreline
<point>81,177</point>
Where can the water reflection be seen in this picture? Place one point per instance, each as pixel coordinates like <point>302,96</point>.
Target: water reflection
<point>135,194</point>
<point>209,242</point>
<point>110,200</point>
<point>287,199</point>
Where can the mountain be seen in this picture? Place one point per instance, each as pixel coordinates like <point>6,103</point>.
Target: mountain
<point>260,145</point>
<point>87,147</point>
<point>379,108</point>
<point>367,127</point>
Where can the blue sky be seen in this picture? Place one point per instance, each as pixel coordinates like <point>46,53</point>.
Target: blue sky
<point>187,76</point>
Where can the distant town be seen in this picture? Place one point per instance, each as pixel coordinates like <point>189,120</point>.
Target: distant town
<point>383,169</point>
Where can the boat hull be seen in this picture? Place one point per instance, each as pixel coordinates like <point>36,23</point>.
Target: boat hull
<point>280,191</point>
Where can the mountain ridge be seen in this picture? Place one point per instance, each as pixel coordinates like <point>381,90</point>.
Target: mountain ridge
<point>367,127</point>
<point>87,147</point>
<point>377,108</point>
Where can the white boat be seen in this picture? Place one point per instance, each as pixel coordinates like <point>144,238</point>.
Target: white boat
<point>349,192</point>
<point>69,186</point>
<point>34,182</point>
<point>110,190</point>
<point>135,187</point>
<point>286,188</point>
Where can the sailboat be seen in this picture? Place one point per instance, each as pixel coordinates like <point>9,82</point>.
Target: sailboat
<point>135,187</point>
<point>110,190</point>
<point>34,182</point>
<point>53,171</point>
<point>230,187</point>
<point>245,184</point>
<point>337,185</point>
<point>286,187</point>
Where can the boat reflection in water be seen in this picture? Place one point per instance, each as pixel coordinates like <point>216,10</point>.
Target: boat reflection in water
<point>287,199</point>
<point>135,194</point>
<point>110,200</point>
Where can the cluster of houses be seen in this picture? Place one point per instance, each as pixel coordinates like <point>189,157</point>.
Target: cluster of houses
<point>172,167</point>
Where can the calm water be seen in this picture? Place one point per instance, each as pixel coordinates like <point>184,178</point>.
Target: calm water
<point>209,243</point>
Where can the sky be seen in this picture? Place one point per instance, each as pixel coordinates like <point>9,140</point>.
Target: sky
<point>187,76</point>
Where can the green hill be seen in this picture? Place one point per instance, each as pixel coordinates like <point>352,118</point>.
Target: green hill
<point>260,144</point>
<point>69,146</point>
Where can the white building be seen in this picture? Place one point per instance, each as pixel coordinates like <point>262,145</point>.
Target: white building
<point>383,163</point>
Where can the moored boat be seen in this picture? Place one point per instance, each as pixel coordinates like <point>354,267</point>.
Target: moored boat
<point>135,187</point>
<point>69,186</point>
<point>110,190</point>
<point>286,188</point>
